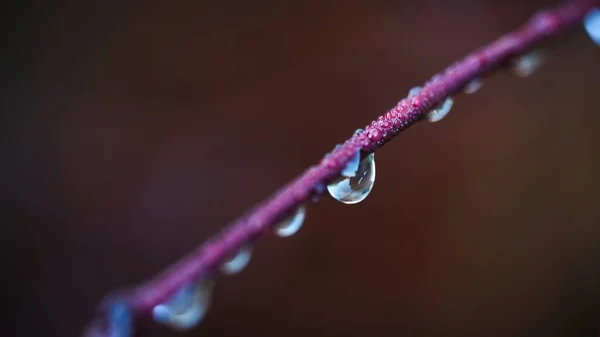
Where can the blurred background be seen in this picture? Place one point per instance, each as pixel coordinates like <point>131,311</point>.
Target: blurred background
<point>135,130</point>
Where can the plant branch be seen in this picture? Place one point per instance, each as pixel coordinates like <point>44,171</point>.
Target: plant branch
<point>117,310</point>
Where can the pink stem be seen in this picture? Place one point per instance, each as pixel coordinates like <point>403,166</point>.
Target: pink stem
<point>311,182</point>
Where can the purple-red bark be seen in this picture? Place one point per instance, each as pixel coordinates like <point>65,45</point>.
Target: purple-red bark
<point>311,183</point>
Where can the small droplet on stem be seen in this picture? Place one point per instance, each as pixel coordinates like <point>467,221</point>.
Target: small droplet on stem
<point>354,189</point>
<point>237,262</point>
<point>438,113</point>
<point>290,225</point>
<point>319,189</point>
<point>591,22</point>
<point>186,308</point>
<point>414,91</point>
<point>527,64</point>
<point>473,86</point>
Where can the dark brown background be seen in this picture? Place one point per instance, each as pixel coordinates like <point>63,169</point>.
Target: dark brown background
<point>136,130</point>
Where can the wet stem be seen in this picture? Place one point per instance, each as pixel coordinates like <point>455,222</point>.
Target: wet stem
<point>179,296</point>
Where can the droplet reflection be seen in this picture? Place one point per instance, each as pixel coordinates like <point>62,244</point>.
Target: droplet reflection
<point>352,190</point>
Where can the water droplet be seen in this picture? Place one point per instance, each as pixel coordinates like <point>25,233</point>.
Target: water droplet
<point>237,262</point>
<point>352,190</point>
<point>290,225</point>
<point>350,169</point>
<point>473,86</point>
<point>414,91</point>
<point>120,320</point>
<point>591,23</point>
<point>374,135</point>
<point>439,112</point>
<point>186,308</point>
<point>527,64</point>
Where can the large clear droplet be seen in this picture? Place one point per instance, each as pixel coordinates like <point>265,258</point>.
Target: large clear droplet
<point>526,65</point>
<point>352,166</point>
<point>186,308</point>
<point>237,262</point>
<point>591,22</point>
<point>354,189</point>
<point>290,225</point>
<point>439,112</point>
<point>473,86</point>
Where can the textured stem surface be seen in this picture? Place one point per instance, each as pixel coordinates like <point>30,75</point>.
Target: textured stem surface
<point>312,181</point>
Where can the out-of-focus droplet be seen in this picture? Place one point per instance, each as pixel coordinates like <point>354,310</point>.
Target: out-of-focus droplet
<point>116,320</point>
<point>290,225</point>
<point>120,320</point>
<point>527,64</point>
<point>473,86</point>
<point>237,262</point>
<point>414,91</point>
<point>186,308</point>
<point>319,189</point>
<point>352,190</point>
<point>591,22</point>
<point>438,113</point>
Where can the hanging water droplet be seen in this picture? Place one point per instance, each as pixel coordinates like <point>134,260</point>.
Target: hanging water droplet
<point>352,190</point>
<point>439,112</point>
<point>527,64</point>
<point>473,86</point>
<point>414,91</point>
<point>591,22</point>
<point>350,169</point>
<point>120,320</point>
<point>319,189</point>
<point>186,308</point>
<point>237,262</point>
<point>290,225</point>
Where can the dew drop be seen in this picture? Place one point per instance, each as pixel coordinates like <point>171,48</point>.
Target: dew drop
<point>186,308</point>
<point>121,320</point>
<point>527,64</point>
<point>439,112</point>
<point>473,86</point>
<point>350,169</point>
<point>352,190</point>
<point>374,135</point>
<point>591,23</point>
<point>236,263</point>
<point>319,189</point>
<point>414,91</point>
<point>290,225</point>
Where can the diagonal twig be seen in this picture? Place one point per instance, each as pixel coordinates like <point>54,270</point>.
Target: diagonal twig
<point>117,311</point>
